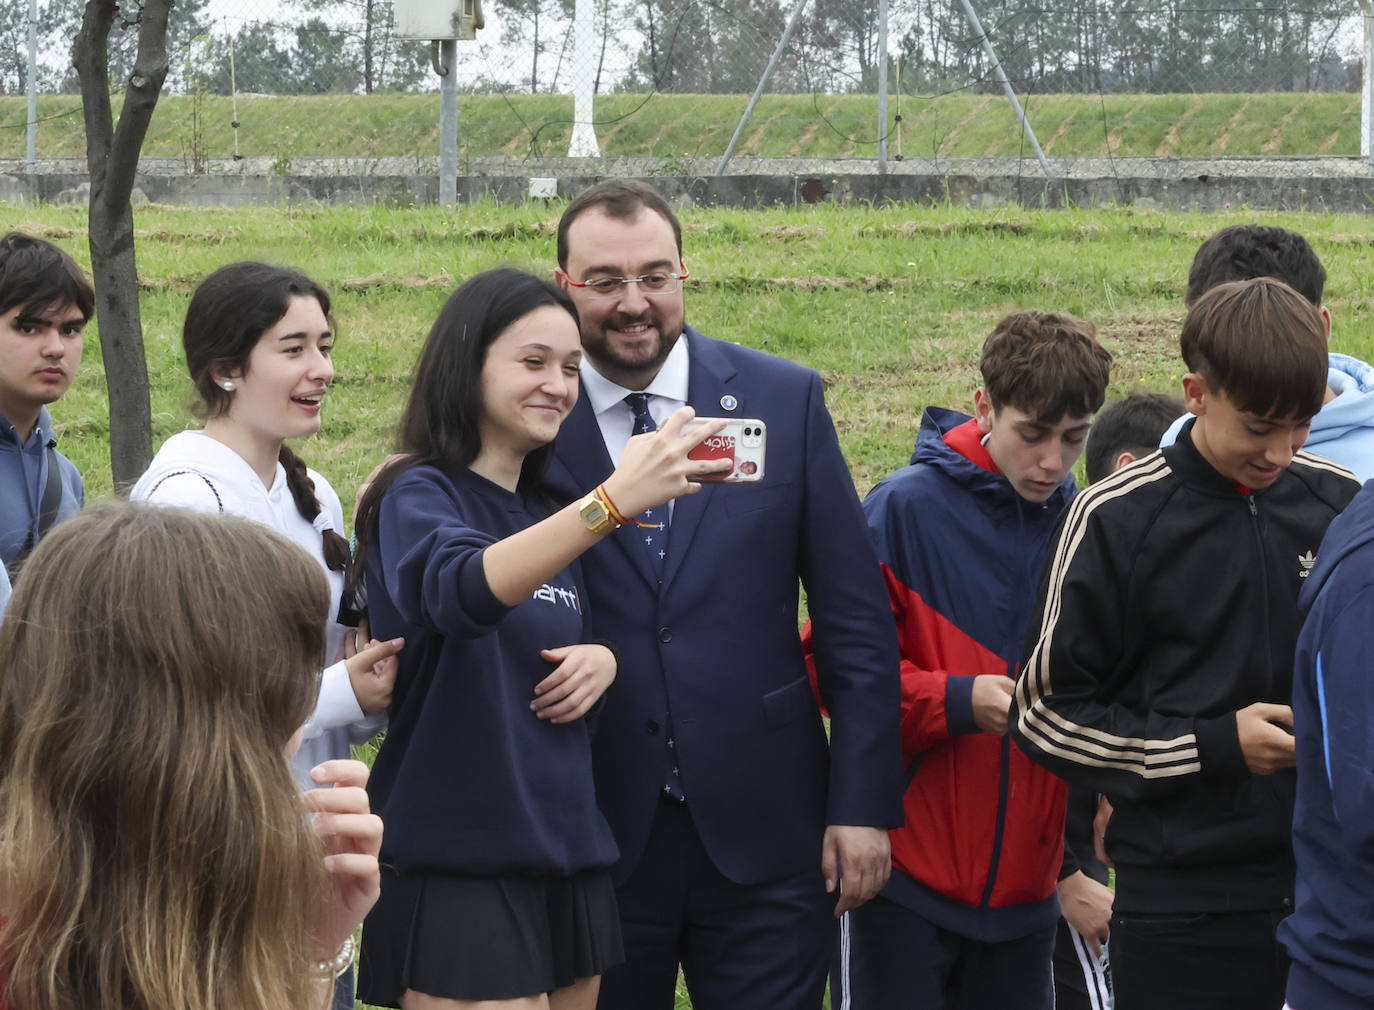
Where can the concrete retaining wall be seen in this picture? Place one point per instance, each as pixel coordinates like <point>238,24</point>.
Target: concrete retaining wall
<point>1208,186</point>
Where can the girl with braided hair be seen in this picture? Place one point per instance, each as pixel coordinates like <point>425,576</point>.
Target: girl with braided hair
<point>258,346</point>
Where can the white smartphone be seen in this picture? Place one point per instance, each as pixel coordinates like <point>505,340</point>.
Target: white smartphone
<point>742,441</point>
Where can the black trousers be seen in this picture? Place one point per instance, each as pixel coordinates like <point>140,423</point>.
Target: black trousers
<point>891,958</point>
<point>1201,961</point>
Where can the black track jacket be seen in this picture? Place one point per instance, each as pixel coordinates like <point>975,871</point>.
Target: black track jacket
<point>1170,603</point>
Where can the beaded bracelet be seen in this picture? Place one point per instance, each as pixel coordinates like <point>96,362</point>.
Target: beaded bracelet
<point>339,963</point>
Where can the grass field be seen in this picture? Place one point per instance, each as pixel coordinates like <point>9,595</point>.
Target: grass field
<point>961,124</point>
<point>890,304</point>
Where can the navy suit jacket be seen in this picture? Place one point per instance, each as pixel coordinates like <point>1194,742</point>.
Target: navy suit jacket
<point>718,640</point>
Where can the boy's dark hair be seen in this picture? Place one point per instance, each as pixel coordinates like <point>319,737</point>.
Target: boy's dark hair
<point>619,198</point>
<point>1133,424</point>
<point>1245,251</point>
<point>1046,364</point>
<point>1261,344</point>
<point>37,275</point>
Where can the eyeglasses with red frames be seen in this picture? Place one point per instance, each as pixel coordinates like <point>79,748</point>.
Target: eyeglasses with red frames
<point>656,282</point>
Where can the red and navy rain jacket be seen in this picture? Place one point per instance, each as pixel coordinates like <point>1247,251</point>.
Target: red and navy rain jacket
<point>962,553</point>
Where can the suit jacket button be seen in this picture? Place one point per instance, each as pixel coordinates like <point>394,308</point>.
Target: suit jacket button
<point>665,635</point>
<point>652,727</point>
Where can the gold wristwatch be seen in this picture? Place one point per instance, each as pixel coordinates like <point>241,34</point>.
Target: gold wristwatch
<point>595,516</point>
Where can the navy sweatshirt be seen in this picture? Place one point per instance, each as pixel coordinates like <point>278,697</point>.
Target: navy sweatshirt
<point>1330,934</point>
<point>468,780</point>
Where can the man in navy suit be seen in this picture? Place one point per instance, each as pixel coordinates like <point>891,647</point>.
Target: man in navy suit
<point>743,834</point>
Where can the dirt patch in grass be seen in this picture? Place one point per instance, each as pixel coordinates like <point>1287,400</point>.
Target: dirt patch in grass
<point>924,370</point>
<point>1170,141</point>
<point>1275,142</point>
<point>412,282</point>
<point>1144,351</point>
<point>1064,128</point>
<point>791,233</point>
<point>754,142</point>
<point>49,231</point>
<point>816,283</point>
<point>952,137</point>
<point>1152,333</point>
<point>804,141</point>
<point>905,229</point>
<point>1237,119</point>
<point>1342,238</point>
<point>515,229</point>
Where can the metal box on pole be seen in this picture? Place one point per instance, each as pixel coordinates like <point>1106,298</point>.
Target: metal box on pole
<point>428,20</point>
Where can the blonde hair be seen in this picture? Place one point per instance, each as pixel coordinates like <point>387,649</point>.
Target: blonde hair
<point>154,855</point>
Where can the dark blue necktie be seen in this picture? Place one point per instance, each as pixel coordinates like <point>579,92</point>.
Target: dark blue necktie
<point>656,541</point>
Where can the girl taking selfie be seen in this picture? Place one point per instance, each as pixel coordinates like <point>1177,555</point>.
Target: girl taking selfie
<point>496,885</point>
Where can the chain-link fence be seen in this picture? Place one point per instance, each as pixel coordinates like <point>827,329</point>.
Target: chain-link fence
<point>672,79</point>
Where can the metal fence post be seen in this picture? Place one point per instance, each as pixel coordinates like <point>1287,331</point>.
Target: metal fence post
<point>31,130</point>
<point>763,83</point>
<point>1367,85</point>
<point>1001,75</point>
<point>448,123</point>
<point>882,85</point>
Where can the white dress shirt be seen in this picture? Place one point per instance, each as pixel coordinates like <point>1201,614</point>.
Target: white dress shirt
<point>613,414</point>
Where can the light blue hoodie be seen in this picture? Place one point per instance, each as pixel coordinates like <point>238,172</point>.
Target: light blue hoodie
<point>1343,430</point>
<point>23,476</point>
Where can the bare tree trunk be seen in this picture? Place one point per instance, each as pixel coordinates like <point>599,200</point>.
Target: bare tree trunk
<point>112,158</point>
<point>534,66</point>
<point>562,54</point>
<point>653,46</point>
<point>605,34</point>
<point>369,12</point>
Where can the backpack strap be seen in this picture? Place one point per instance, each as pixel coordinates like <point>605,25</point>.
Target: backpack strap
<point>47,511</point>
<point>52,493</point>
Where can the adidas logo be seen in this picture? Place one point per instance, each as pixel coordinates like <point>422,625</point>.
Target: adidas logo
<point>1305,563</point>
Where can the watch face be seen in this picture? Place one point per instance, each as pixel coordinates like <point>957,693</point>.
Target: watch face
<point>595,517</point>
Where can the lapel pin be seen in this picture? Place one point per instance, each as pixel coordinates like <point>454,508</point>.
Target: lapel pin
<point>728,402</point>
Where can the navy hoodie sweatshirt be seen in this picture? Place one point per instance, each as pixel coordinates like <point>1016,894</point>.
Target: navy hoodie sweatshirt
<point>1330,934</point>
<point>468,780</point>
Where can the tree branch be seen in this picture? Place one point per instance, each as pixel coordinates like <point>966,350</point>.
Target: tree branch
<point>89,50</point>
<point>140,99</point>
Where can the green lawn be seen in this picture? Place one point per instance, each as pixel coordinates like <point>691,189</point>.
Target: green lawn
<point>889,303</point>
<point>960,124</point>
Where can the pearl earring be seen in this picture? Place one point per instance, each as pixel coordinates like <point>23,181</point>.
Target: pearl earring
<point>229,387</point>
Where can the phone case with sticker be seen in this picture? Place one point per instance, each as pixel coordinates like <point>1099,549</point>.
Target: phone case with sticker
<point>743,441</point>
